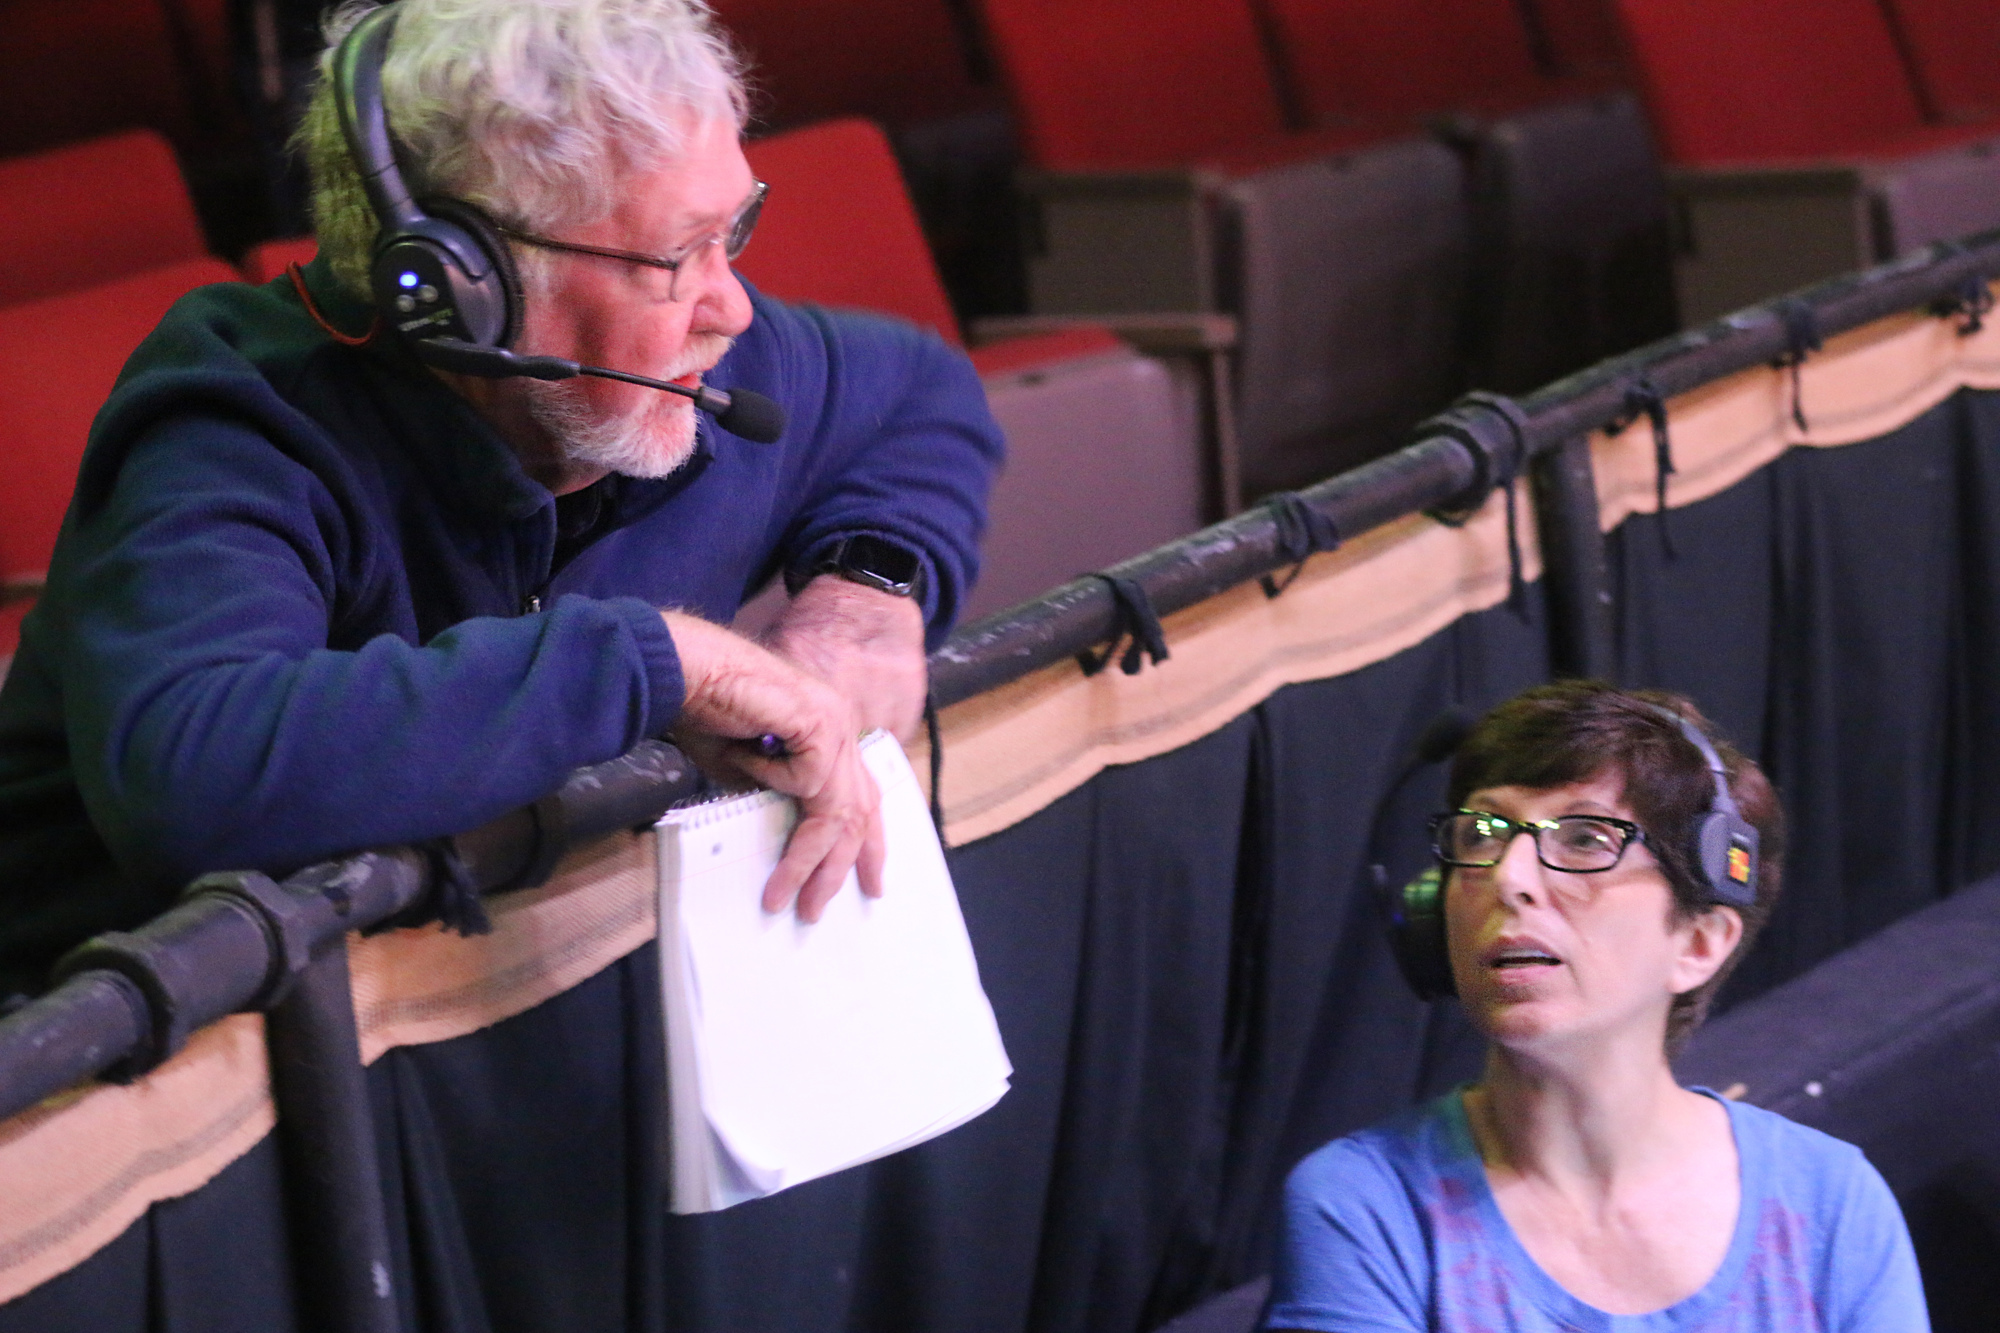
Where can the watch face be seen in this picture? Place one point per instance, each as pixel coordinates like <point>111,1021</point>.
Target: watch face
<point>879,564</point>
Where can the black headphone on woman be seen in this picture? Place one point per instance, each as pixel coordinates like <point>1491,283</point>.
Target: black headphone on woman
<point>1722,851</point>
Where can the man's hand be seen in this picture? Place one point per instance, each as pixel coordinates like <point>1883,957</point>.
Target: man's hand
<point>738,692</point>
<point>868,645</point>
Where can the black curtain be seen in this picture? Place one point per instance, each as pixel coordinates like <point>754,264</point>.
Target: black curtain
<point>1837,614</point>
<point>1187,963</point>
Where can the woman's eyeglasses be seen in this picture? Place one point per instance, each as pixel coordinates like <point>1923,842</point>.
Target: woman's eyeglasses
<point>1581,844</point>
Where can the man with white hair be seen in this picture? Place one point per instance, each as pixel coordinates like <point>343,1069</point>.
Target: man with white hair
<point>315,593</point>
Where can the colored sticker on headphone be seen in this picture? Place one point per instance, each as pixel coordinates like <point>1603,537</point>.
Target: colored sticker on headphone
<point>1739,865</point>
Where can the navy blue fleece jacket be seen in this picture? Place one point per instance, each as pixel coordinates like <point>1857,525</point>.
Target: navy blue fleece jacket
<point>292,611</point>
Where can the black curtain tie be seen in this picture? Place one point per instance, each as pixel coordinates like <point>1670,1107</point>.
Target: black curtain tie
<point>1801,340</point>
<point>935,734</point>
<point>1643,398</point>
<point>1492,428</point>
<point>1970,302</point>
<point>1506,471</point>
<point>454,899</point>
<point>1134,619</point>
<point>1303,532</point>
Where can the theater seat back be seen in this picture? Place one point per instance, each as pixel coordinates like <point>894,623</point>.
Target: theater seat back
<point>58,360</point>
<point>90,213</point>
<point>896,61</point>
<point>72,69</point>
<point>1954,49</point>
<point>1580,36</point>
<point>1360,59</point>
<point>1132,83</point>
<point>839,228</point>
<point>1735,80</point>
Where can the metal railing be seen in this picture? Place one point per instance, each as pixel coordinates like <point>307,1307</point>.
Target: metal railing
<point>1455,459</point>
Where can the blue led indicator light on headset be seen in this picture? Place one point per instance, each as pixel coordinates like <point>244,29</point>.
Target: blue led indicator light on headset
<point>408,279</point>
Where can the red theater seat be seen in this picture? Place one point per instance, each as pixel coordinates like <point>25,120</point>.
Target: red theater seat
<point>1753,80</point>
<point>92,212</point>
<point>1567,198</point>
<point>70,69</point>
<point>1954,50</point>
<point>839,228</point>
<point>1105,455</point>
<point>1134,83</point>
<point>895,61</point>
<point>1167,178</point>
<point>58,359</point>
<point>1577,36</point>
<point>1360,60</point>
<point>265,262</point>
<point>1802,142</point>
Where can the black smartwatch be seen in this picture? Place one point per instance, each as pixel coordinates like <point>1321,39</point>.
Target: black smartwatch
<point>869,561</point>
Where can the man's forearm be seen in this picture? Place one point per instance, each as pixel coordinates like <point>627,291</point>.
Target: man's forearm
<point>868,645</point>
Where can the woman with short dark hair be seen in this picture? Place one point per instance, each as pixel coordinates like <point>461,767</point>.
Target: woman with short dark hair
<point>1576,1185</point>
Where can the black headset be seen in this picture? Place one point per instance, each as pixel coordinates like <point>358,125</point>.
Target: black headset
<point>440,268</point>
<point>442,275</point>
<point>1722,851</point>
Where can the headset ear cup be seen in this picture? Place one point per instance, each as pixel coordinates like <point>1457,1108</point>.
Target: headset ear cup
<point>473,221</point>
<point>1417,935</point>
<point>1726,850</point>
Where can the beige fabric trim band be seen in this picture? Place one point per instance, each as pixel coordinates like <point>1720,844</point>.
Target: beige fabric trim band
<point>416,986</point>
<point>1865,384</point>
<point>84,1165</point>
<point>76,1171</point>
<point>81,1167</point>
<point>1012,751</point>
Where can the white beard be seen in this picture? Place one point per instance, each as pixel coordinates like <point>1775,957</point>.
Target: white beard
<point>650,442</point>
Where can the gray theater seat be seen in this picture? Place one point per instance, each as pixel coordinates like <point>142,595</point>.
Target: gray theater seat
<point>1104,460</point>
<point>1346,273</point>
<point>1167,177</point>
<point>1573,254</point>
<point>1747,233</point>
<point>1798,144</point>
<point>1107,450</point>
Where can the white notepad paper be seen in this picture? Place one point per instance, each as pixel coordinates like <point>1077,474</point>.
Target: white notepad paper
<point>797,1050</point>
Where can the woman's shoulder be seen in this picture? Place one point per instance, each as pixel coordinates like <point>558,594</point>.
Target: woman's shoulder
<point>1403,1153</point>
<point>1361,1218</point>
<point>1824,1221</point>
<point>1812,1174</point>
<point>1791,1147</point>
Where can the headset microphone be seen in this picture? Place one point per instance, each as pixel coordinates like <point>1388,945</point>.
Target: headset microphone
<point>1416,911</point>
<point>740,412</point>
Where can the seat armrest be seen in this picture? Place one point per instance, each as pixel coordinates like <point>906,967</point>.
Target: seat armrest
<point>1157,333</point>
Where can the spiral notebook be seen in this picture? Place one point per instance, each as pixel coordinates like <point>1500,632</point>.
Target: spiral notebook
<point>794,1050</point>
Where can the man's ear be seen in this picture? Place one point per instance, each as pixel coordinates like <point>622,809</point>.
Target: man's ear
<point>1707,941</point>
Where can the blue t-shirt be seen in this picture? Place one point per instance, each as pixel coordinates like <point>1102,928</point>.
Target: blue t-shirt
<point>1395,1228</point>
